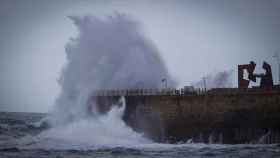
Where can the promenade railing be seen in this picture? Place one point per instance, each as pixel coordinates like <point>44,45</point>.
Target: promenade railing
<point>147,92</point>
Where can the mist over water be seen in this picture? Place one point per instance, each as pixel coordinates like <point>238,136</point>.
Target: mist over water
<point>109,53</point>
<point>222,79</point>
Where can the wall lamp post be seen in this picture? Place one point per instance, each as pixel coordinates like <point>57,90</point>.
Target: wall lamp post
<point>164,80</point>
<point>204,83</point>
<point>276,56</point>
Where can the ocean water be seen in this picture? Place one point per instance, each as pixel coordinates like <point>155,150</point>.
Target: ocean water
<point>18,139</point>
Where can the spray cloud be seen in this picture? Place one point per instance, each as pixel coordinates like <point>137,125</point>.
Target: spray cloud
<point>109,53</point>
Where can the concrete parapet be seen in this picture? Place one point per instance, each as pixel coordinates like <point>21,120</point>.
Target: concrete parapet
<point>216,116</point>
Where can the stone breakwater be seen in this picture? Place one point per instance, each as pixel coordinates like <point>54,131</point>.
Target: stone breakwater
<point>228,116</point>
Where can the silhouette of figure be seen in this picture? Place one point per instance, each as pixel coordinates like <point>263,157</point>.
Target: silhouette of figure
<point>266,79</point>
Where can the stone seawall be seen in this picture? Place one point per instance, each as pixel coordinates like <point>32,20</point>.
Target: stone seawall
<point>240,117</point>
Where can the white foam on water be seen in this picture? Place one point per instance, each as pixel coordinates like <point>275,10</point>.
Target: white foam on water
<point>107,130</point>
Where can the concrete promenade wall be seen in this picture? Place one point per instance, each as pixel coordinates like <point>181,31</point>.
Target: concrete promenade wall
<point>213,117</point>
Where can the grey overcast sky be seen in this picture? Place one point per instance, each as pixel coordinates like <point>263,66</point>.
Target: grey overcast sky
<point>195,37</point>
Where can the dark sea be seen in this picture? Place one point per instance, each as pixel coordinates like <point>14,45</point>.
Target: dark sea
<point>18,133</point>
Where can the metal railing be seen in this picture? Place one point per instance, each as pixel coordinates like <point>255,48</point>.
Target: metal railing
<point>147,92</point>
